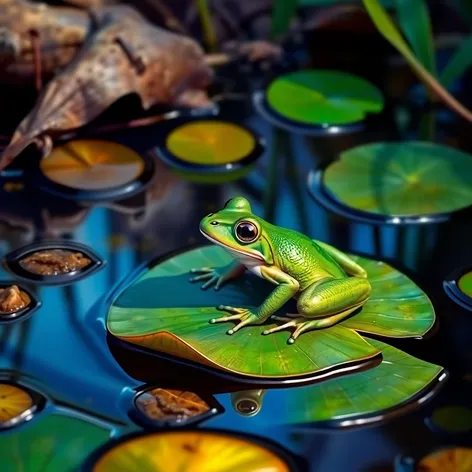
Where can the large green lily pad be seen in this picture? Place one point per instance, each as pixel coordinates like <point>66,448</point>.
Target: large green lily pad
<point>162,311</point>
<point>401,179</point>
<point>395,383</point>
<point>323,97</point>
<point>53,443</point>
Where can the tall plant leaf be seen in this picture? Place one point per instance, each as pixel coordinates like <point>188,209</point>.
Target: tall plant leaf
<point>207,23</point>
<point>414,19</point>
<point>282,14</point>
<point>460,62</point>
<point>388,29</point>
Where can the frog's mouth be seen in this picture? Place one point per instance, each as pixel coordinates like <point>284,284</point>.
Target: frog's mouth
<point>236,253</point>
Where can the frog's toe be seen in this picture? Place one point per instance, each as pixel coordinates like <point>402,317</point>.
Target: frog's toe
<point>232,309</point>
<point>200,277</point>
<point>201,270</point>
<point>210,282</point>
<point>249,320</point>
<point>225,318</point>
<point>289,324</point>
<point>302,328</point>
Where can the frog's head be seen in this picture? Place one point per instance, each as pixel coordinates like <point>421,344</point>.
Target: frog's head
<point>239,232</point>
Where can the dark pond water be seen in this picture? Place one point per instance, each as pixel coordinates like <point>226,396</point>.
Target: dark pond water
<point>62,349</point>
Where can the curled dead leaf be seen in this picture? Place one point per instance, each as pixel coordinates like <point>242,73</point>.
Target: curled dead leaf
<point>125,55</point>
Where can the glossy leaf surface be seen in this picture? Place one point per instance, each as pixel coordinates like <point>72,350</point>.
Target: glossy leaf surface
<point>398,379</point>
<point>402,179</point>
<point>13,402</point>
<point>413,16</point>
<point>457,459</point>
<point>320,97</point>
<point>162,311</point>
<point>189,451</point>
<point>389,30</point>
<point>51,443</point>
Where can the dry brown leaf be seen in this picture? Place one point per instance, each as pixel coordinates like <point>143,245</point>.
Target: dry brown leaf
<point>126,55</point>
<point>61,32</point>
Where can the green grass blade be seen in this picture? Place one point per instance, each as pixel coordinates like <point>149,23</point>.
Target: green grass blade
<point>413,17</point>
<point>282,15</point>
<point>460,62</point>
<point>207,24</point>
<point>388,29</point>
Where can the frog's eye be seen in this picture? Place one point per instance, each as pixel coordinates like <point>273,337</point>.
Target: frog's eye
<point>246,231</point>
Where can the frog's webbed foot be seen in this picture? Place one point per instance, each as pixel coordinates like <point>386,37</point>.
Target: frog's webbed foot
<point>300,324</point>
<point>217,277</point>
<point>243,315</point>
<point>209,275</point>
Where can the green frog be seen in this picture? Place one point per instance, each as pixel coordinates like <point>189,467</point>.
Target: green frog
<point>327,284</point>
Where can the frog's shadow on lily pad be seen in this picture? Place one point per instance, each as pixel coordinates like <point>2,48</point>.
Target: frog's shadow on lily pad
<point>177,290</point>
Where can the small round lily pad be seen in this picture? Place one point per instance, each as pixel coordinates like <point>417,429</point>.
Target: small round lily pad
<point>465,284</point>
<point>451,419</point>
<point>94,170</point>
<point>163,312</point>
<point>211,150</point>
<point>451,459</point>
<point>323,97</point>
<point>406,179</point>
<point>18,404</point>
<point>458,286</point>
<point>14,403</point>
<point>187,451</point>
<point>54,442</point>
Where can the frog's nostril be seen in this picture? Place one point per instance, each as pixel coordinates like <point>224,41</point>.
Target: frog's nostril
<point>210,214</point>
<point>214,223</point>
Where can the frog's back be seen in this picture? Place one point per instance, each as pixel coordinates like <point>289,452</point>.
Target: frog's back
<point>300,257</point>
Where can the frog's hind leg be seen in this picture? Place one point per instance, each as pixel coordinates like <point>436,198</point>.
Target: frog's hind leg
<point>328,301</point>
<point>302,324</point>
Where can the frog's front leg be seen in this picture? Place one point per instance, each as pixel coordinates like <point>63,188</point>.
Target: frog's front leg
<point>218,277</point>
<point>328,301</point>
<point>286,288</point>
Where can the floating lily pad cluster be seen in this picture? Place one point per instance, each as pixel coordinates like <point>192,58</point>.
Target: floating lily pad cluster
<point>163,312</point>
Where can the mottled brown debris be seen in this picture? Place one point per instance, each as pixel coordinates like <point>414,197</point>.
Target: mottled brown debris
<point>173,405</point>
<point>54,262</point>
<point>13,299</point>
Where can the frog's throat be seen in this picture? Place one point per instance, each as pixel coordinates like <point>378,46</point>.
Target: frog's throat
<point>236,253</point>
